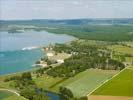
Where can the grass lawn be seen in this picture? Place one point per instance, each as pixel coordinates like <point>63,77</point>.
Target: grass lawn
<point>86,81</point>
<point>47,82</point>
<point>122,49</point>
<point>7,85</point>
<point>6,95</point>
<point>129,59</point>
<point>122,85</point>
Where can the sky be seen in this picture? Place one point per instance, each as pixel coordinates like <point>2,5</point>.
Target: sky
<point>65,9</point>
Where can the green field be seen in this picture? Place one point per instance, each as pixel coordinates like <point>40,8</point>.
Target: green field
<point>81,84</point>
<point>6,95</point>
<point>7,85</point>
<point>121,49</point>
<point>122,85</point>
<point>46,82</point>
<point>129,59</point>
<point>86,81</point>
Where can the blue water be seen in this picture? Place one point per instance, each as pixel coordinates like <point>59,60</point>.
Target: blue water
<point>16,61</point>
<point>17,41</point>
<point>53,96</point>
<point>13,59</point>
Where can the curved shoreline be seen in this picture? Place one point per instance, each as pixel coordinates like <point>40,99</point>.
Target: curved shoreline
<point>31,48</point>
<point>13,91</point>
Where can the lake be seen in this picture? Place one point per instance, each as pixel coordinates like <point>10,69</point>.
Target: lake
<point>19,51</point>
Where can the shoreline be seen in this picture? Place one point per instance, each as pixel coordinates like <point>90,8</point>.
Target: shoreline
<point>13,91</point>
<point>34,68</point>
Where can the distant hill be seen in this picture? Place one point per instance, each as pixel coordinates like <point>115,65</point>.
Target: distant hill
<point>97,21</point>
<point>92,29</point>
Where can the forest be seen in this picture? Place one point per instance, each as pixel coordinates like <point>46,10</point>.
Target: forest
<point>97,32</point>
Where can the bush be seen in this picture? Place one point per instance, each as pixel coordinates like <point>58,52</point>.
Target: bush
<point>66,92</point>
<point>12,78</point>
<point>49,62</point>
<point>26,75</point>
<point>82,98</point>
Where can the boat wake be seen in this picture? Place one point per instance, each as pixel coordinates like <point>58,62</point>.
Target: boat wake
<point>29,48</point>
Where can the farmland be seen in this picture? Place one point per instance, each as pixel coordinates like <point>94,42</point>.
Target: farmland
<point>122,49</point>
<point>80,80</point>
<point>118,86</point>
<point>84,82</point>
<point>80,85</point>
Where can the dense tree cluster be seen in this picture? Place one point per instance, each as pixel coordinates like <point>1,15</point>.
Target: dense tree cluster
<point>97,32</point>
<point>41,71</point>
<point>27,87</point>
<point>33,94</point>
<point>66,93</point>
<point>84,56</point>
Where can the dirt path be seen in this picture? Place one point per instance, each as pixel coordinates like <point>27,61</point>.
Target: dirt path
<point>109,98</point>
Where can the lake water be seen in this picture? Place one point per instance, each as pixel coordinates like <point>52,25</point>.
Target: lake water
<point>17,50</point>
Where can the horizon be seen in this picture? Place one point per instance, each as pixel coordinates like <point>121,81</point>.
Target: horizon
<point>67,19</point>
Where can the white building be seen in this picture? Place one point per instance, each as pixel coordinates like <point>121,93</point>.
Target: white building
<point>60,61</point>
<point>50,54</point>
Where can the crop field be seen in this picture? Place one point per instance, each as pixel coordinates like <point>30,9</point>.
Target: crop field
<point>81,84</point>
<point>121,85</point>
<point>86,81</point>
<point>129,59</point>
<point>122,49</point>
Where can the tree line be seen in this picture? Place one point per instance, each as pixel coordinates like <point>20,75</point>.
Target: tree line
<point>84,56</point>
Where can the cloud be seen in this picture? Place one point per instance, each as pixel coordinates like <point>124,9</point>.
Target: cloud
<point>76,2</point>
<point>65,9</point>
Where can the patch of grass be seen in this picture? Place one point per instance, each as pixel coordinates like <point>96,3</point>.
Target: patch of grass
<point>122,85</point>
<point>46,82</point>
<point>122,49</point>
<point>7,85</point>
<point>6,95</point>
<point>129,59</point>
<point>58,83</point>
